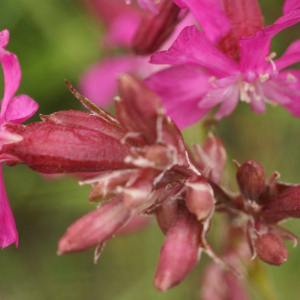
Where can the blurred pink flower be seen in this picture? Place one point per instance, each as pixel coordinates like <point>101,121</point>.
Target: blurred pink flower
<point>16,110</point>
<point>203,76</point>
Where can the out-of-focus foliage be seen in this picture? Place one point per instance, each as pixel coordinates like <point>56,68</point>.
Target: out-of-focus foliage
<point>56,40</point>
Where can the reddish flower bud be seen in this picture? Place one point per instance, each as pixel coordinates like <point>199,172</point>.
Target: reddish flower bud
<point>165,207</point>
<point>251,179</point>
<point>246,20</point>
<point>139,108</point>
<point>156,28</point>
<point>180,251</point>
<point>95,227</point>
<point>199,198</point>
<point>282,206</point>
<point>53,148</point>
<point>269,245</point>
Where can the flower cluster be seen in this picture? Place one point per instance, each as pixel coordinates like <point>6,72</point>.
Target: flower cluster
<point>15,110</point>
<point>137,162</point>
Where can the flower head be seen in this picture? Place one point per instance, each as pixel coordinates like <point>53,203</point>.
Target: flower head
<point>241,66</point>
<point>16,110</point>
<point>143,166</point>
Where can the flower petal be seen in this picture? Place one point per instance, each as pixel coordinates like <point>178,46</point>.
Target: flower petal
<point>12,77</point>
<point>8,231</point>
<point>290,6</point>
<point>210,15</point>
<point>181,88</point>
<point>99,84</point>
<point>20,109</point>
<point>254,50</point>
<point>193,48</point>
<point>291,56</point>
<point>4,38</point>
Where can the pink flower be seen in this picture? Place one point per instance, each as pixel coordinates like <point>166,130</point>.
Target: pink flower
<point>16,110</point>
<point>203,76</point>
<point>98,83</point>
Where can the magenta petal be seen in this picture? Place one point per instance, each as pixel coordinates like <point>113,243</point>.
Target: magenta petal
<point>210,15</point>
<point>123,29</point>
<point>99,84</point>
<point>4,38</point>
<point>181,88</point>
<point>230,101</point>
<point>291,56</point>
<point>290,6</point>
<point>254,50</point>
<point>12,77</point>
<point>20,109</point>
<point>193,48</point>
<point>8,231</point>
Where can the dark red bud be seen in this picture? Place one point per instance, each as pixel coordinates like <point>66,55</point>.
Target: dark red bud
<point>282,206</point>
<point>251,179</point>
<point>156,28</point>
<point>270,248</point>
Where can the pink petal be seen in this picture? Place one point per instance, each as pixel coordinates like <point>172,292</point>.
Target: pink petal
<point>283,93</point>
<point>181,88</point>
<point>20,109</point>
<point>230,101</point>
<point>99,84</point>
<point>192,47</point>
<point>123,29</point>
<point>290,6</point>
<point>8,231</point>
<point>12,77</point>
<point>4,38</point>
<point>254,50</point>
<point>210,15</point>
<point>291,56</point>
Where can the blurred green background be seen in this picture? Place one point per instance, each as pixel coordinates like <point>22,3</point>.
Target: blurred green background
<point>57,40</point>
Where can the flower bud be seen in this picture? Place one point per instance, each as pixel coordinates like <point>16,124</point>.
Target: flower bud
<point>180,251</point>
<point>199,199</point>
<point>54,148</point>
<point>94,228</point>
<point>283,206</point>
<point>269,245</point>
<point>156,28</point>
<point>251,179</point>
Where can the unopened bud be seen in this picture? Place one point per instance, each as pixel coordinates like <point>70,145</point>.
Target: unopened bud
<point>199,199</point>
<point>156,28</point>
<point>251,179</point>
<point>95,227</point>
<point>180,252</point>
<point>269,245</point>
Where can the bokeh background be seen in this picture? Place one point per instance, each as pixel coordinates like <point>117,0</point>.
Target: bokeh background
<point>57,40</point>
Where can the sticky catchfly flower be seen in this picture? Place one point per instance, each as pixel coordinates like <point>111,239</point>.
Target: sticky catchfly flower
<point>16,110</point>
<point>240,66</point>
